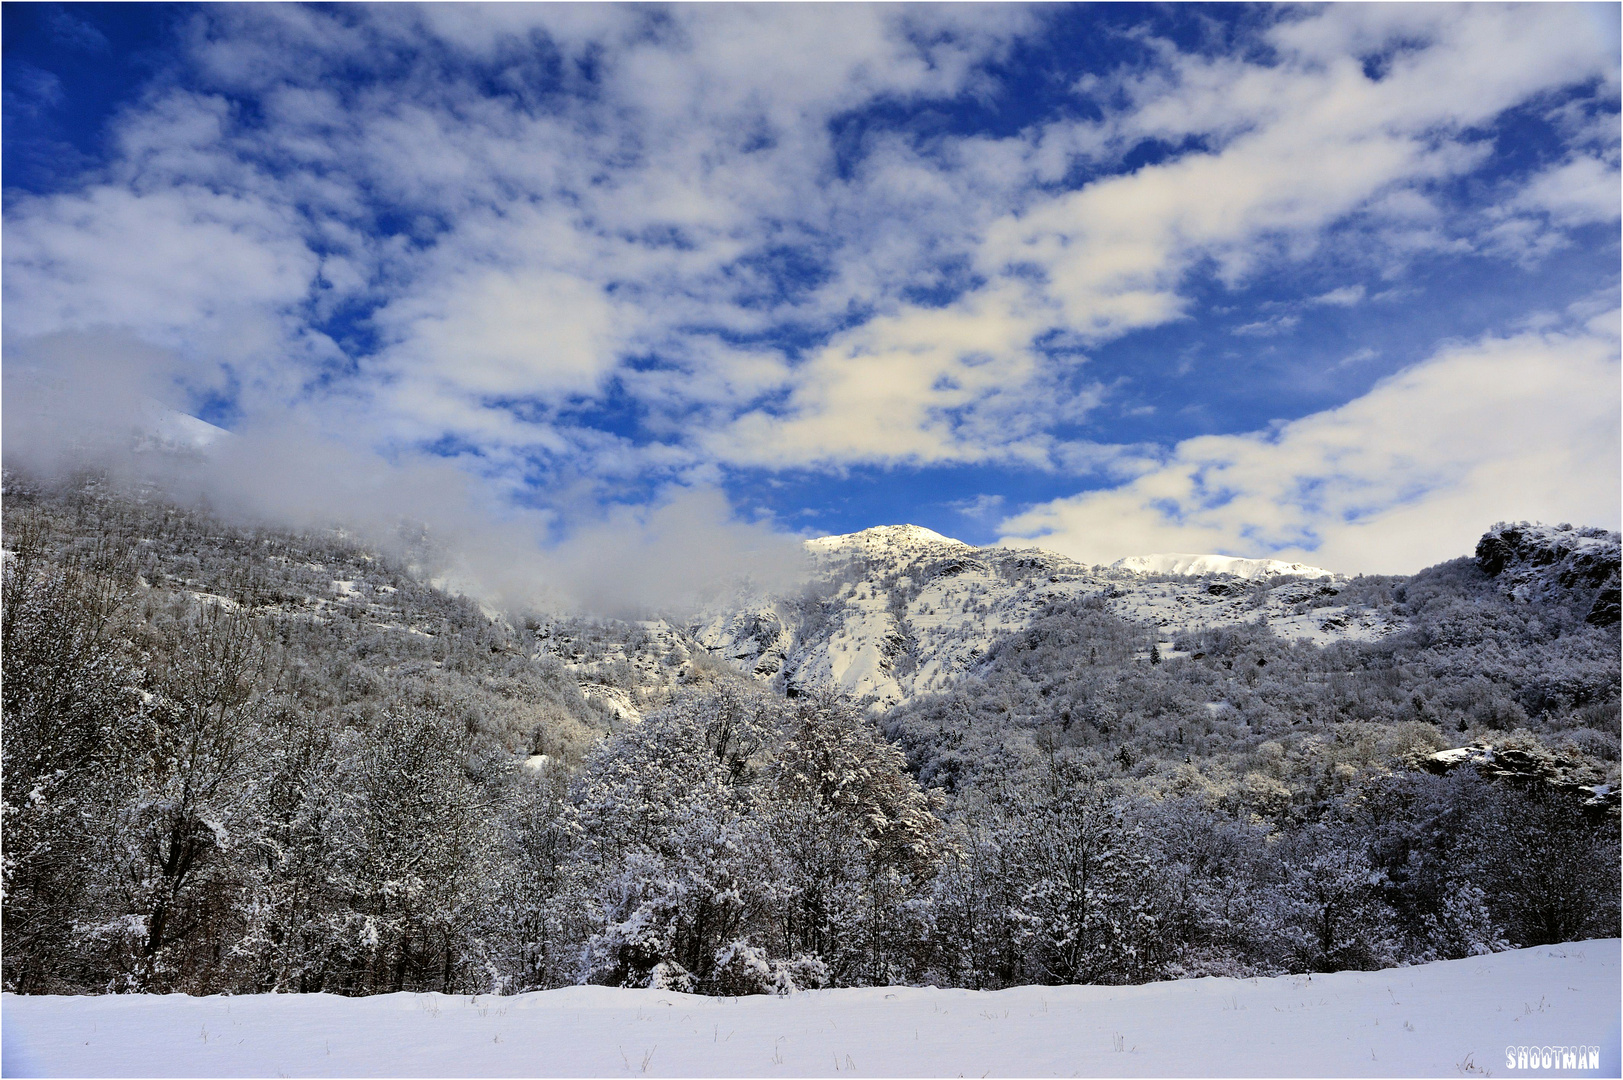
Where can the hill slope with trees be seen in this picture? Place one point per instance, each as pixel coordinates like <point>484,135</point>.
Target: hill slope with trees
<point>241,759</point>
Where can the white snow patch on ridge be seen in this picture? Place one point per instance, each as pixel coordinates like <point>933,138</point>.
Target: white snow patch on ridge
<point>1196,565</point>
<point>883,538</point>
<point>1450,1018</point>
<point>167,429</point>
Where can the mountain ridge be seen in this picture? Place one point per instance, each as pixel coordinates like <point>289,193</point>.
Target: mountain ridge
<point>1199,565</point>
<point>895,611</point>
<point>917,537</point>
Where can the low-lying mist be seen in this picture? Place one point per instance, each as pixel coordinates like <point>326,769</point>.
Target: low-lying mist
<point>95,402</point>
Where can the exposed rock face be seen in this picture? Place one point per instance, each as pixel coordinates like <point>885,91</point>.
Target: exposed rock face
<point>1608,607</point>
<point>1574,557</point>
<point>754,638</point>
<point>1522,765</point>
<point>1533,559</point>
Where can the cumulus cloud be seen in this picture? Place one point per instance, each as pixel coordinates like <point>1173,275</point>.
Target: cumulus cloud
<point>1302,145</point>
<point>920,386</point>
<point>1581,190</point>
<point>1407,475</point>
<point>168,265</point>
<point>1299,145</point>
<point>492,333</point>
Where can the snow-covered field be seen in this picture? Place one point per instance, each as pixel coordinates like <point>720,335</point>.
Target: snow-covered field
<point>1446,1019</point>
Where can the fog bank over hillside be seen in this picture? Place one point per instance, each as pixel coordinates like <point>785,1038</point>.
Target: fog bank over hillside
<point>104,403</point>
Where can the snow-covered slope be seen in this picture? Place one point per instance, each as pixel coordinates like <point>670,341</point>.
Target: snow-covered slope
<point>1199,565</point>
<point>1453,1018</point>
<point>900,610</point>
<point>897,611</point>
<point>161,428</point>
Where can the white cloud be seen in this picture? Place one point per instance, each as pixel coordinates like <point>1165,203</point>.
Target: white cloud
<point>1408,475</point>
<point>527,333</point>
<point>921,385</point>
<point>76,400</point>
<point>544,245</point>
<point>171,264</point>
<point>1581,190</point>
<point>1269,327</point>
<point>669,556</point>
<point>1299,146</point>
<point>666,222</point>
<point>980,507</point>
<point>1346,296</point>
<point>73,399</point>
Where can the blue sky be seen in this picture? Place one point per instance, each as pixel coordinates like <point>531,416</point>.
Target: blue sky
<point>1331,283</point>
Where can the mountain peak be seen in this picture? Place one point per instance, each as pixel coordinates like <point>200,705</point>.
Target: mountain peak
<point>884,537</point>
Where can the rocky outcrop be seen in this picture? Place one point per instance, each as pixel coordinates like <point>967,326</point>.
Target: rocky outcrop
<point>1530,765</point>
<point>1607,608</point>
<point>1532,560</point>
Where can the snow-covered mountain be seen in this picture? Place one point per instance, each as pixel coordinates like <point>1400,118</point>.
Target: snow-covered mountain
<point>883,540</point>
<point>1199,565</point>
<point>899,610</point>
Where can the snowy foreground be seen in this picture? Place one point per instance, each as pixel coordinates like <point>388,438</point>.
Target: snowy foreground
<point>1446,1019</point>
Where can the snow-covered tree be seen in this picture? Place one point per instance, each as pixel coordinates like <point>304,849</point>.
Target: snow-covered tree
<point>1325,908</point>
<point>69,688</point>
<point>417,873</point>
<point>660,813</point>
<point>535,921</point>
<point>975,891</point>
<point>162,908</point>
<point>853,840</point>
<point>1084,913</point>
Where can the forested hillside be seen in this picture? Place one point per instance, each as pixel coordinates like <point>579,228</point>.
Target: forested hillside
<point>238,758</point>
